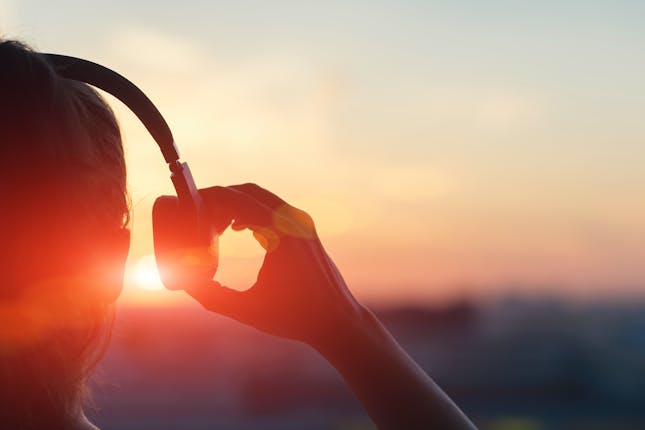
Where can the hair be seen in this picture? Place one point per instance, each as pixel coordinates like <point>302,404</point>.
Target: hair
<point>63,190</point>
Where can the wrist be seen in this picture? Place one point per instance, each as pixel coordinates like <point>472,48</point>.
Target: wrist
<point>347,335</point>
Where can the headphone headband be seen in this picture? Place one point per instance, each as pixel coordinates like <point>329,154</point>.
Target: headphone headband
<point>198,238</point>
<point>113,83</point>
<point>110,81</point>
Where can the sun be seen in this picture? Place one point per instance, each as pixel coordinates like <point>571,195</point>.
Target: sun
<point>145,274</point>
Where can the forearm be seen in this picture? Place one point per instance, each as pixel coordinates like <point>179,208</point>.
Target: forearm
<point>394,390</point>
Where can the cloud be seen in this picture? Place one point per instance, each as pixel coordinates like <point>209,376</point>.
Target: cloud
<point>150,50</point>
<point>413,183</point>
<point>243,117</point>
<point>261,105</point>
<point>488,110</point>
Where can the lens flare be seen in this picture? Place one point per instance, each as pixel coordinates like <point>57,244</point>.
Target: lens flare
<point>145,274</point>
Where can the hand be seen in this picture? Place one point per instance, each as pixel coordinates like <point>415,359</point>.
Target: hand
<point>299,292</point>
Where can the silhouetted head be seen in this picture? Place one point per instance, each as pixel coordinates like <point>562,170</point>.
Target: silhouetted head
<point>63,236</point>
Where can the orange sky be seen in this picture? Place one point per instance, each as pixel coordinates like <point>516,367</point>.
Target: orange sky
<point>442,150</point>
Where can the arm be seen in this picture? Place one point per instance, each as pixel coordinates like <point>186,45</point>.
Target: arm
<point>394,390</point>
<point>300,294</point>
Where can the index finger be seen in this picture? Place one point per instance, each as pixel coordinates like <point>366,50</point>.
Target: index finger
<point>237,205</point>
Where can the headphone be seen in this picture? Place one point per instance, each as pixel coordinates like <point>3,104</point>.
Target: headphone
<point>185,242</point>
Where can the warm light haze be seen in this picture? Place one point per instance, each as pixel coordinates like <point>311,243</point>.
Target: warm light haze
<point>444,149</point>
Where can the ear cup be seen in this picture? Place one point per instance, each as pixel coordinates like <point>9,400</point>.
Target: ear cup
<point>184,251</point>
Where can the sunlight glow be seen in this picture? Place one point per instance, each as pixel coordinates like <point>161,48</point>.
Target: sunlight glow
<point>145,274</point>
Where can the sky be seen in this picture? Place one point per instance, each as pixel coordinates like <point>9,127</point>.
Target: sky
<point>444,149</point>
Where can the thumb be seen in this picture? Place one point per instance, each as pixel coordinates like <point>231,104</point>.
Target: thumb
<point>218,298</point>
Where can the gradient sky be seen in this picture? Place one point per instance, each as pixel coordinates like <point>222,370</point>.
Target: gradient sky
<point>444,148</point>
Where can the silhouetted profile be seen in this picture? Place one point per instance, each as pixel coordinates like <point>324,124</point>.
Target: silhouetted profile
<point>63,228</point>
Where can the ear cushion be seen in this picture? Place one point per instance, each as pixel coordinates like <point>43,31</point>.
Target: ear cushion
<point>184,254</point>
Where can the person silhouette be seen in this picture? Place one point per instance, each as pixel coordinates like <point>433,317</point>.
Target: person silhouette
<point>64,228</point>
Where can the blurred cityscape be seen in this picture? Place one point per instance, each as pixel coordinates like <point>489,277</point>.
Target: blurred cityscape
<point>515,364</point>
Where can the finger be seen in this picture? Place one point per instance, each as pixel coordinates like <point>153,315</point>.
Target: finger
<point>239,226</point>
<point>266,237</point>
<point>286,219</point>
<point>238,205</point>
<point>218,298</point>
<point>263,195</point>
